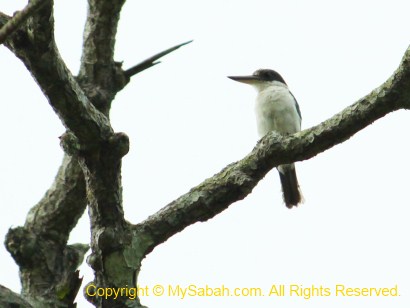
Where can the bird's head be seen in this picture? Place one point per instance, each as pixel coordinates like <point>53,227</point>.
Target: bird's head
<point>260,78</point>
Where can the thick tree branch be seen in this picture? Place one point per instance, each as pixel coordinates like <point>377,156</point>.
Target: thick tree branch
<point>100,76</point>
<point>58,211</point>
<point>19,18</point>
<point>97,61</point>
<point>151,61</point>
<point>48,272</point>
<point>48,267</point>
<point>10,299</point>
<point>61,89</point>
<point>36,47</point>
<point>237,180</point>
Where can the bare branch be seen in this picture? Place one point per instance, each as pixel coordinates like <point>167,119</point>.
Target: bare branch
<point>63,92</point>
<point>38,51</point>
<point>63,204</point>
<point>19,18</point>
<point>97,61</point>
<point>43,239</point>
<point>10,299</point>
<point>151,61</point>
<point>237,180</point>
<point>48,266</point>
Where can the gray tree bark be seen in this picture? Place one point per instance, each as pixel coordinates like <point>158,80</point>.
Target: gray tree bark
<point>90,173</point>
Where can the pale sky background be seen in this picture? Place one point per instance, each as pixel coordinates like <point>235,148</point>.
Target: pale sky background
<point>186,121</point>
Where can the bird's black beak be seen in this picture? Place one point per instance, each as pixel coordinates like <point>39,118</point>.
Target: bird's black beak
<point>251,79</point>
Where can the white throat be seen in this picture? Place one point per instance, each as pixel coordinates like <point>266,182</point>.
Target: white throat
<point>263,85</point>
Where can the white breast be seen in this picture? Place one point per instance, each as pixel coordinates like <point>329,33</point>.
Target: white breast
<point>276,110</point>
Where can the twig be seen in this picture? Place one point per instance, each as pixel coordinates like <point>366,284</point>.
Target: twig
<point>151,61</point>
<point>20,17</point>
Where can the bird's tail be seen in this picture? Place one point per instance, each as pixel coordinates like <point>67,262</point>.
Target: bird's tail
<point>292,194</point>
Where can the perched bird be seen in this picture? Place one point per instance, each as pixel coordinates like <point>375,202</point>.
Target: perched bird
<point>277,110</point>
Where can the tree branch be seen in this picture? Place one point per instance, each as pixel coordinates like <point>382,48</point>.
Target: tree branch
<point>57,213</point>
<point>61,89</point>
<point>10,299</point>
<point>19,18</point>
<point>237,180</point>
<point>97,61</point>
<point>151,61</point>
<point>48,266</point>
